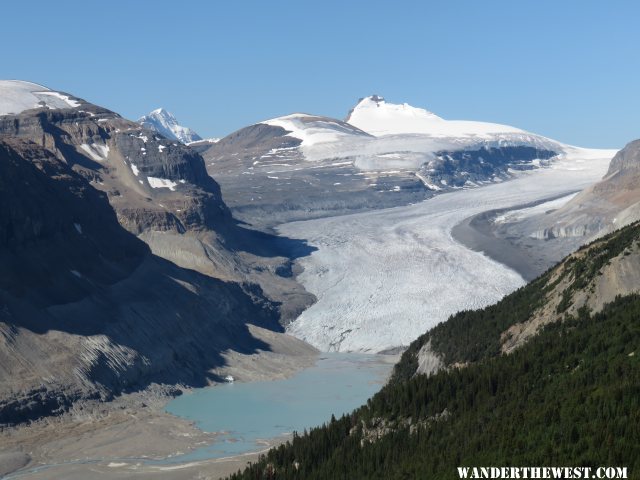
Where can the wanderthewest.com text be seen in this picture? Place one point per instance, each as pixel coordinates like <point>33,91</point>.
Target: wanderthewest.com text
<point>542,472</point>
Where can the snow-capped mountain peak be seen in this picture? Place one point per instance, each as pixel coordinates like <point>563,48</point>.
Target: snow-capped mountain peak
<point>378,117</point>
<point>377,106</point>
<point>163,113</point>
<point>163,122</point>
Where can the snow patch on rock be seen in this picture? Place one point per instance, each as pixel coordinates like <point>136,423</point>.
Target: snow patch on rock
<point>155,182</point>
<point>96,152</point>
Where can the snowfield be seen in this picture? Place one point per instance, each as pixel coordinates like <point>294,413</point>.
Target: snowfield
<point>383,278</point>
<point>17,96</point>
<point>378,117</point>
<point>312,129</point>
<point>381,136</point>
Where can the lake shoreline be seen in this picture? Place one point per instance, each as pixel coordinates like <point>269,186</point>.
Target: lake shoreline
<point>115,439</point>
<point>248,414</point>
<point>135,438</point>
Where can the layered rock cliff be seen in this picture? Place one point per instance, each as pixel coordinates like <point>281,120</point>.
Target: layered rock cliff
<point>121,265</point>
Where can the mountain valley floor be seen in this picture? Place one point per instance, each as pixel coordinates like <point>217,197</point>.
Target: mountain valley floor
<point>94,435</point>
<point>95,438</point>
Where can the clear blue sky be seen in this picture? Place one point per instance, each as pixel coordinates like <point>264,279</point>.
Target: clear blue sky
<point>567,69</point>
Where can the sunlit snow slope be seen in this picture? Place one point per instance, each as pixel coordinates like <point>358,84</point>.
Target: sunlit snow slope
<point>167,125</point>
<point>302,166</point>
<point>384,277</point>
<point>374,115</point>
<point>313,129</point>
<point>16,96</point>
<point>381,135</point>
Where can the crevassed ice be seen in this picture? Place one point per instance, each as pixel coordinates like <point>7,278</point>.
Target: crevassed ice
<point>382,278</point>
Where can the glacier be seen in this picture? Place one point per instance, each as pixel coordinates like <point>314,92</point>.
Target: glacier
<point>384,277</point>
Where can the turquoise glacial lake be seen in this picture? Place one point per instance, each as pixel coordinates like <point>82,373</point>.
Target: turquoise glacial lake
<point>247,414</point>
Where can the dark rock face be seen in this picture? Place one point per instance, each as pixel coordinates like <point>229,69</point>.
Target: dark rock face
<point>55,129</point>
<point>161,158</point>
<point>457,168</point>
<point>102,147</point>
<point>34,404</point>
<point>86,311</point>
<point>64,219</point>
<point>193,203</point>
<point>120,265</point>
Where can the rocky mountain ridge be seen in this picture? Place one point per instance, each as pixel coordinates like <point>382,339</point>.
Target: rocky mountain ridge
<point>302,166</point>
<point>607,205</point>
<point>123,266</point>
<point>87,311</point>
<point>553,229</point>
